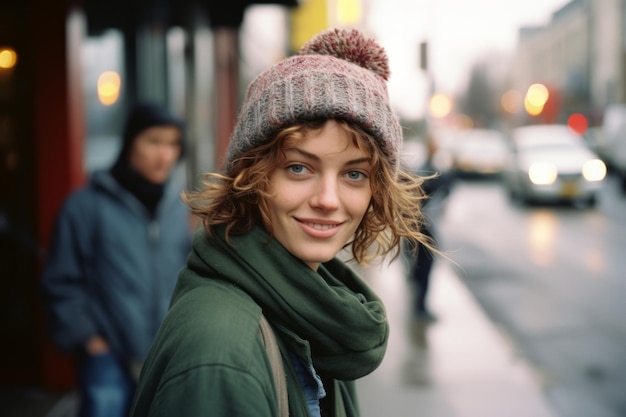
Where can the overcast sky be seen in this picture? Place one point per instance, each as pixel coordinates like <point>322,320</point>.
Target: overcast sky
<point>458,31</point>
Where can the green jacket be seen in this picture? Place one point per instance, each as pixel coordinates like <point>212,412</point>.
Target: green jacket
<point>208,358</point>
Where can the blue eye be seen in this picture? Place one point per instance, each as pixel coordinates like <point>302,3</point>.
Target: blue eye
<point>296,168</point>
<point>355,175</point>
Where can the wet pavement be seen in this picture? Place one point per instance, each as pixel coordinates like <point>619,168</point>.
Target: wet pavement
<point>460,365</point>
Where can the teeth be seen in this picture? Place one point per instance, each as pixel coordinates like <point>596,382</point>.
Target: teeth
<point>321,226</point>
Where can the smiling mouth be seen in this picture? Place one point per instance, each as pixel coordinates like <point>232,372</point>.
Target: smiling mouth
<point>319,226</point>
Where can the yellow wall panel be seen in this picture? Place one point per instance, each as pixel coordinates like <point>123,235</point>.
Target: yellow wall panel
<point>309,18</point>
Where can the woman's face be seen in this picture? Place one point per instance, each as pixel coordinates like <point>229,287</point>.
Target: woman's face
<point>320,193</point>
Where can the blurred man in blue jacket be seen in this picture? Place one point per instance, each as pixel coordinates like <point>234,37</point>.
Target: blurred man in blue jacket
<point>117,247</point>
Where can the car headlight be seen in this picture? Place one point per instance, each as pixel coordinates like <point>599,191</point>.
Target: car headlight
<point>594,170</point>
<point>542,173</point>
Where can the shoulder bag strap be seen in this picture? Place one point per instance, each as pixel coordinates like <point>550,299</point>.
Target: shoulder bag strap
<point>278,372</point>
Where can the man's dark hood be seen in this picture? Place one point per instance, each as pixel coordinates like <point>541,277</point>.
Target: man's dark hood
<point>144,116</point>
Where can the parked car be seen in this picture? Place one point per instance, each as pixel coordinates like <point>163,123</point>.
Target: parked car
<point>550,163</point>
<point>480,153</point>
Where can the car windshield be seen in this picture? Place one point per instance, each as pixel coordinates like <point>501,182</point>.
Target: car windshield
<point>549,139</point>
<point>550,147</point>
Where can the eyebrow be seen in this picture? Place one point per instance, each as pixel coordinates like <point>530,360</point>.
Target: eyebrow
<point>316,158</point>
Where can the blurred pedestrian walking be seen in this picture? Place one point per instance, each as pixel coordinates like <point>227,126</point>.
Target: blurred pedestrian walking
<point>117,246</point>
<point>437,186</point>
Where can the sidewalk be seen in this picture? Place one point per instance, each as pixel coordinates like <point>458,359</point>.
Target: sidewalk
<point>457,366</point>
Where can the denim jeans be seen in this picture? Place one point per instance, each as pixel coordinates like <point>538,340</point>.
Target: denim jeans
<point>106,386</point>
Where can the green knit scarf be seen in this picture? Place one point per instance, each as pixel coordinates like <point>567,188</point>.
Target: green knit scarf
<point>333,309</point>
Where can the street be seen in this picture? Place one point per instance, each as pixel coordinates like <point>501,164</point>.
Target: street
<point>552,279</point>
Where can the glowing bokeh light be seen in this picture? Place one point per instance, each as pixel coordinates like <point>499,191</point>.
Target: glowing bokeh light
<point>542,173</point>
<point>537,95</point>
<point>511,101</point>
<point>578,123</point>
<point>531,108</point>
<point>8,58</point>
<point>440,105</point>
<point>594,170</point>
<point>109,83</point>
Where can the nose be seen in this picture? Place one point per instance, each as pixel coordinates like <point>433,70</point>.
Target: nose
<point>326,195</point>
<point>168,153</point>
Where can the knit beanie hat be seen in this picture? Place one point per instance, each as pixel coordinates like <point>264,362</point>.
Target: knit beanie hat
<point>338,74</point>
<point>144,116</point>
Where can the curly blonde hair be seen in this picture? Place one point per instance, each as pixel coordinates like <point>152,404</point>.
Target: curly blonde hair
<point>238,197</point>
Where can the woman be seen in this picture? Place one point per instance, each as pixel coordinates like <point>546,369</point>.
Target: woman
<point>312,168</point>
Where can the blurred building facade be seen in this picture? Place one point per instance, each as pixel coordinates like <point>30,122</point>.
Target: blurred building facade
<point>580,56</point>
<point>607,52</point>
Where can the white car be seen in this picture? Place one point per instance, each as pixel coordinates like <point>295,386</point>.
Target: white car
<point>551,163</point>
<point>480,152</point>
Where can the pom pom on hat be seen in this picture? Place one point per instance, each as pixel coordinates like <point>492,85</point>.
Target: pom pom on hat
<point>339,74</point>
<point>351,46</point>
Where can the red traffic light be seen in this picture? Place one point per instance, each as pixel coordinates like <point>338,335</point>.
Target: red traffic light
<point>578,123</point>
